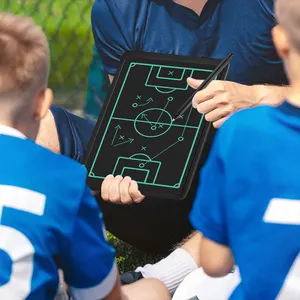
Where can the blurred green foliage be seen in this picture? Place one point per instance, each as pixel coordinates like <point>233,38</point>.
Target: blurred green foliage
<point>68,28</point>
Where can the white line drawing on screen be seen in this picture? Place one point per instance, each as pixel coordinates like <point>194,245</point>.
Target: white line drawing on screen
<point>137,162</point>
<point>135,104</point>
<point>168,79</point>
<point>149,118</point>
<point>121,138</point>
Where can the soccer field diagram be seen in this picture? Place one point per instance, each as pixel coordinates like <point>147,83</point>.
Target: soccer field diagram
<point>139,139</point>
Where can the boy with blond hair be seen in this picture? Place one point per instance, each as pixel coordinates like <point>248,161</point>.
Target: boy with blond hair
<point>48,216</point>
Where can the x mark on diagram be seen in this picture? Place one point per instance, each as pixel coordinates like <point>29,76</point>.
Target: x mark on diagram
<point>139,97</point>
<point>121,137</point>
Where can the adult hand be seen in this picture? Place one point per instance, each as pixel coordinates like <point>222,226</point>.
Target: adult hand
<point>221,99</point>
<point>121,190</point>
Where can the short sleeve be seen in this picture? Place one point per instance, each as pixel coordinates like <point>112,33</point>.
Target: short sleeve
<point>207,215</point>
<point>74,133</point>
<point>111,34</point>
<point>89,262</point>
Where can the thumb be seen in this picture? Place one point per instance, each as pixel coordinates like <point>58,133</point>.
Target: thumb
<point>194,83</point>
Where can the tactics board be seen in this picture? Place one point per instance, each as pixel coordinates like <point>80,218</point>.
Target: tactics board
<point>135,136</point>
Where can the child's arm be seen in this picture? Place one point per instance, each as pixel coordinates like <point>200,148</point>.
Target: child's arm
<point>208,215</point>
<point>88,261</point>
<point>216,259</point>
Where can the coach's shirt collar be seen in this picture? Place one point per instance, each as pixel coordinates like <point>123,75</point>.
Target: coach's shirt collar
<point>6,130</point>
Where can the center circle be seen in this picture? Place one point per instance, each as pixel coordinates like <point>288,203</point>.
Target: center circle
<point>153,122</point>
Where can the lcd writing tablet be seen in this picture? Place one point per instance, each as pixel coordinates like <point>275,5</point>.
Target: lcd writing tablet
<point>135,136</point>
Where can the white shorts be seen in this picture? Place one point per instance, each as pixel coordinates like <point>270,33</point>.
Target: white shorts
<point>207,288</point>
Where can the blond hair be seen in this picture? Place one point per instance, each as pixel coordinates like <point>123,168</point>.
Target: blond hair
<point>288,16</point>
<point>24,57</point>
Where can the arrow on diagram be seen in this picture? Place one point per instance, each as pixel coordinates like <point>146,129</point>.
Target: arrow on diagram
<point>147,102</point>
<point>118,127</point>
<point>128,141</point>
<point>144,116</point>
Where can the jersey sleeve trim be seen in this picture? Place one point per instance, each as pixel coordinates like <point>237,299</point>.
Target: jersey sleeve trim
<point>99,291</point>
<point>208,229</point>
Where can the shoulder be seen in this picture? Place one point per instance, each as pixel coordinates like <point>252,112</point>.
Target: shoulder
<point>250,119</point>
<point>59,166</point>
<point>268,5</point>
<point>119,26</point>
<point>56,176</point>
<point>119,11</point>
<point>245,116</point>
<point>261,10</point>
<point>122,6</point>
<point>244,127</point>
<point>61,178</point>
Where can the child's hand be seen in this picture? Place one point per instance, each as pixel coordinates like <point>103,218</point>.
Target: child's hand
<point>120,190</point>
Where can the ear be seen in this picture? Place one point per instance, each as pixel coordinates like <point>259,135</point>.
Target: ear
<point>43,102</point>
<point>281,41</point>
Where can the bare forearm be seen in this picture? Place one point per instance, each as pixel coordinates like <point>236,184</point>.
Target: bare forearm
<point>217,260</point>
<point>270,94</point>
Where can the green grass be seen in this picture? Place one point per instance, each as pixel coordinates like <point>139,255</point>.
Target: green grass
<point>68,29</point>
<point>129,258</point>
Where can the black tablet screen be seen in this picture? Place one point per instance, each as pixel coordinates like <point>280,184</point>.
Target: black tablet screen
<point>136,136</point>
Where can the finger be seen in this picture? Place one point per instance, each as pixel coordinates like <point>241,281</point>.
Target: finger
<point>208,106</point>
<point>135,193</point>
<point>114,190</point>
<point>218,113</point>
<point>194,83</point>
<point>124,191</point>
<point>220,122</point>
<point>105,187</point>
<point>213,89</point>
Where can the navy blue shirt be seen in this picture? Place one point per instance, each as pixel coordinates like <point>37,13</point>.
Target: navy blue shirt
<point>74,133</point>
<point>249,199</point>
<point>239,26</point>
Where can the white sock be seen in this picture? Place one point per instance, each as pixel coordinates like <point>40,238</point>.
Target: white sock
<point>171,270</point>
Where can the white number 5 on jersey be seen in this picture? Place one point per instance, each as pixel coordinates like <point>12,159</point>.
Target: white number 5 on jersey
<point>286,211</point>
<point>15,243</point>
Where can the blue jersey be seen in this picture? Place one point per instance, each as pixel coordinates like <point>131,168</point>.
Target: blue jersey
<point>162,26</point>
<point>49,220</point>
<point>249,199</point>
